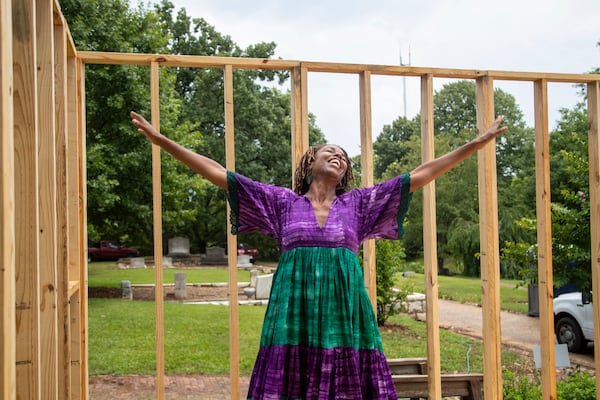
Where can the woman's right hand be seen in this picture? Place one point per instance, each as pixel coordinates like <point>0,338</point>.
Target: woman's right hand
<point>208,168</point>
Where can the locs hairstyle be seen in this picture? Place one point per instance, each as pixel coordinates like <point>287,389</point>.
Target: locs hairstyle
<point>303,179</point>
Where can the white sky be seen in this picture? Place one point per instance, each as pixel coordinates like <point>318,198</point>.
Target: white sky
<point>515,35</point>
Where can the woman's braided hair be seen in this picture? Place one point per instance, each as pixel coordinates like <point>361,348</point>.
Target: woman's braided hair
<point>303,178</point>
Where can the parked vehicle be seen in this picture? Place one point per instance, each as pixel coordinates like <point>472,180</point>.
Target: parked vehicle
<point>574,320</point>
<point>252,251</point>
<point>109,250</point>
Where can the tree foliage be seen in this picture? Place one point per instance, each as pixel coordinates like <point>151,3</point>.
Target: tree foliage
<point>570,208</point>
<point>398,150</point>
<point>192,113</point>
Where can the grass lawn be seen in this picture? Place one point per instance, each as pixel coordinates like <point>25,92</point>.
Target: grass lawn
<point>104,274</point>
<point>468,290</point>
<point>457,288</point>
<point>122,337</point>
<point>122,333</point>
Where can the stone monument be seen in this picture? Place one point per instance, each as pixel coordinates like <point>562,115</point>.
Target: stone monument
<point>179,247</point>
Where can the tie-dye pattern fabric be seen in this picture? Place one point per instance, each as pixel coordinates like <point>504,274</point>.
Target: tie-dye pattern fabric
<point>320,338</point>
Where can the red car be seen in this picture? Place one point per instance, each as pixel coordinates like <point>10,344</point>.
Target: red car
<point>252,251</point>
<point>109,250</point>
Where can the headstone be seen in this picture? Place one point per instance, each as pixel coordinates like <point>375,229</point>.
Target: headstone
<point>243,261</point>
<point>167,262</point>
<point>215,255</point>
<point>263,286</point>
<point>126,291</point>
<point>250,291</point>
<point>137,262</point>
<point>253,274</point>
<point>415,303</point>
<point>179,246</point>
<point>180,286</point>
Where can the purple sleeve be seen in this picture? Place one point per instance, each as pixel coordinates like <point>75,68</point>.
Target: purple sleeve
<point>383,207</point>
<point>255,206</point>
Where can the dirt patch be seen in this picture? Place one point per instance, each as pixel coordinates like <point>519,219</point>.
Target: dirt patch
<point>186,387</point>
<point>195,292</point>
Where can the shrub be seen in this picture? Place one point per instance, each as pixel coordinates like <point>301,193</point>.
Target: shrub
<point>576,385</point>
<point>390,255</point>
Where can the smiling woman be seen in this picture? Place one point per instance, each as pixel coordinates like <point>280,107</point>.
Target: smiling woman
<point>320,337</point>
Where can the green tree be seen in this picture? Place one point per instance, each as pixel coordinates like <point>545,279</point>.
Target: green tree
<point>119,184</point>
<point>119,172</point>
<point>262,120</point>
<point>570,208</point>
<point>457,195</point>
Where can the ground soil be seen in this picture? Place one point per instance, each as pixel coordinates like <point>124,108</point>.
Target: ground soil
<point>196,292</point>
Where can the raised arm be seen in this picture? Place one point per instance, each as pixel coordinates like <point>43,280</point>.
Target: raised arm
<point>208,168</point>
<point>430,170</point>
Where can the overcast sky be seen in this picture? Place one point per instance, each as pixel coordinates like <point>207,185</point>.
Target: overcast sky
<point>523,35</point>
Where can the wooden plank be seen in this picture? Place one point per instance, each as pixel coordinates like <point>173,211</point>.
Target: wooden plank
<point>79,329</point>
<point>171,60</point>
<point>74,251</point>
<point>490,253</point>
<point>234,342</point>
<point>366,151</point>
<point>47,200</point>
<point>593,96</point>
<point>466,386</point>
<point>408,366</point>
<point>59,20</point>
<point>62,212</point>
<point>78,384</point>
<point>158,246</point>
<point>430,242</point>
<point>7,208</point>
<point>544,239</point>
<point>299,109</point>
<point>26,202</point>
<point>327,67</point>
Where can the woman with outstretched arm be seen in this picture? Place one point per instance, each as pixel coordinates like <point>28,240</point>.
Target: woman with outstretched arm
<point>320,338</point>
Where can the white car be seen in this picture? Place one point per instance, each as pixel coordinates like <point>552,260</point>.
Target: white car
<point>573,320</point>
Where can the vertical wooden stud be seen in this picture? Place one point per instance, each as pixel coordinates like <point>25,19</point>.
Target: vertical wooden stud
<point>62,213</point>
<point>79,320</point>
<point>544,238</point>
<point>430,243</point>
<point>47,199</point>
<point>7,208</point>
<point>26,201</point>
<point>299,115</point>
<point>490,253</point>
<point>234,345</point>
<point>366,150</point>
<point>158,246</point>
<point>593,96</point>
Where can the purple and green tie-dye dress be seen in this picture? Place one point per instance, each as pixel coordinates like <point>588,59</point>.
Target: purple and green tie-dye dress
<point>320,338</point>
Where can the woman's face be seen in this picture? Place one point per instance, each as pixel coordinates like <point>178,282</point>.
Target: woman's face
<point>330,160</point>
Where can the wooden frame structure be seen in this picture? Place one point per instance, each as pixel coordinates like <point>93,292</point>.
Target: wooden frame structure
<point>43,290</point>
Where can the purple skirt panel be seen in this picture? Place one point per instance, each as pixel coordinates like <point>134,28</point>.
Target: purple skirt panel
<point>307,373</point>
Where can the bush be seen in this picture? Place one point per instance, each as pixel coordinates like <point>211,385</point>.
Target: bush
<point>577,385</point>
<point>390,255</point>
<point>520,388</point>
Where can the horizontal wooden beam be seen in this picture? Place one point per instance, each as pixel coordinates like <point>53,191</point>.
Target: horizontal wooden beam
<point>88,57</point>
